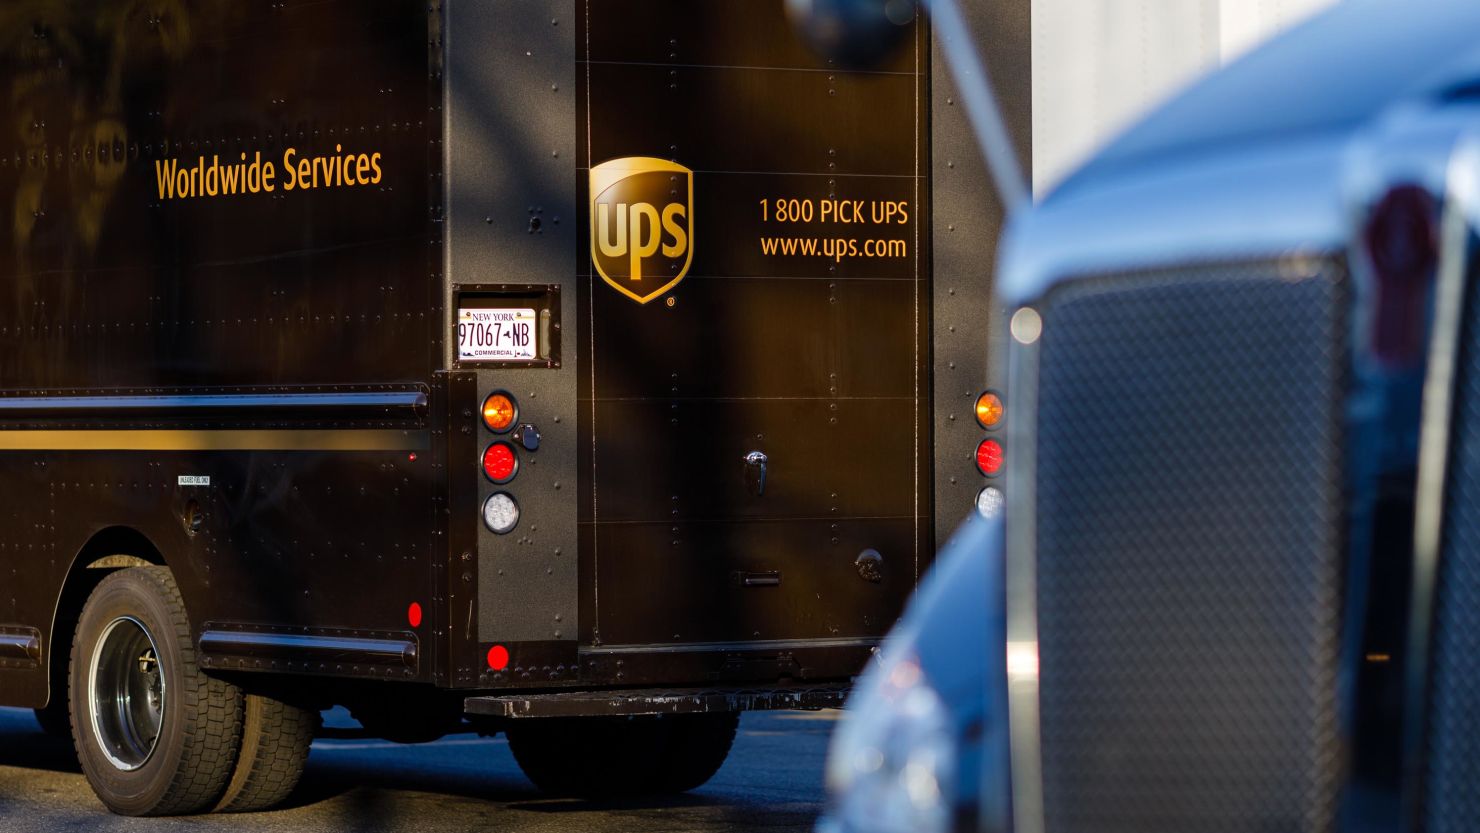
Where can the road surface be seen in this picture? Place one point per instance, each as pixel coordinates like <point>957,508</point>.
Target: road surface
<point>771,782</point>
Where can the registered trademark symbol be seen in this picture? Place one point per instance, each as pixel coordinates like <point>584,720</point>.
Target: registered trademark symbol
<point>671,301</point>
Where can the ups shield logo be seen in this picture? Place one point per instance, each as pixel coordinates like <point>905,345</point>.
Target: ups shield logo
<point>642,225</point>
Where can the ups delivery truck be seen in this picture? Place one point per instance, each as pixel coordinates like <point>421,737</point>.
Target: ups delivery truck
<point>586,370</point>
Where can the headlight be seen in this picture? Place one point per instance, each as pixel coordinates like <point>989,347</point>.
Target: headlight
<point>892,765</point>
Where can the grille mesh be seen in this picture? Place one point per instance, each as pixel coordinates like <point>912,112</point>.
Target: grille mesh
<point>1188,551</point>
<point>1452,797</point>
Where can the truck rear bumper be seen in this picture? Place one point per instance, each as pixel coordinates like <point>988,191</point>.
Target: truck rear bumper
<point>726,665</point>
<point>657,701</point>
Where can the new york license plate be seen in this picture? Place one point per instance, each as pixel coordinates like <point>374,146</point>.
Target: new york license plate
<point>496,335</point>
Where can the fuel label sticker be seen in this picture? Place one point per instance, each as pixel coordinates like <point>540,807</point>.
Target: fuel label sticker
<point>496,335</point>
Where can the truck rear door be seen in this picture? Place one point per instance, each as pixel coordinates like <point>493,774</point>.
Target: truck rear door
<point>756,399</point>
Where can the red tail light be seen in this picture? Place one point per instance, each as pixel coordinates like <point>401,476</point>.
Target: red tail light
<point>989,458</point>
<point>499,462</point>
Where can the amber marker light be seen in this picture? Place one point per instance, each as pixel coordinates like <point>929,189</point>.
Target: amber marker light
<point>989,410</point>
<point>499,412</point>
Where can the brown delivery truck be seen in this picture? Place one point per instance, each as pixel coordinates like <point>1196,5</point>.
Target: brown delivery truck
<point>590,371</point>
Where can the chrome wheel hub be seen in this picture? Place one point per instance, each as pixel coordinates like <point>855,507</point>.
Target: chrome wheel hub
<point>126,693</point>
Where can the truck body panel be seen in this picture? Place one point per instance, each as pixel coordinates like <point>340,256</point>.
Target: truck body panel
<point>260,382</point>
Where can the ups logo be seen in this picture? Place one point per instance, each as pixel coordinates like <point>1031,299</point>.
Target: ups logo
<point>642,225</point>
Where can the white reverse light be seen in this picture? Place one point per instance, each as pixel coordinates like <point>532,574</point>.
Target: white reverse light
<point>500,512</point>
<point>989,502</point>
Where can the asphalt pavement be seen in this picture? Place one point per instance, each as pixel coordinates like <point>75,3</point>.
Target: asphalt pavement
<point>772,782</point>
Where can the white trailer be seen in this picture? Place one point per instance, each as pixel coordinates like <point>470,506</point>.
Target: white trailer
<point>1098,65</point>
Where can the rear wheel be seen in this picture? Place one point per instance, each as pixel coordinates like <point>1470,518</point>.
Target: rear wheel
<point>697,749</point>
<point>275,742</point>
<point>613,756</point>
<point>155,736</point>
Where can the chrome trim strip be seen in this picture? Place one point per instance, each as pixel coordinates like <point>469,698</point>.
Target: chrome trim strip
<point>310,648</point>
<point>1461,209</point>
<point>1022,577</point>
<point>339,439</point>
<point>376,406</point>
<point>28,405</point>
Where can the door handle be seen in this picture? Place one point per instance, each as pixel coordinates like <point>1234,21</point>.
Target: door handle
<point>756,460</point>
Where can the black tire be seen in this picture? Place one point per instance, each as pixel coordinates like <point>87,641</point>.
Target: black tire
<point>275,742</point>
<point>168,748</point>
<point>603,757</point>
<point>697,749</point>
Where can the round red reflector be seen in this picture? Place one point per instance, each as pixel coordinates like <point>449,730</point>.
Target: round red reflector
<point>498,657</point>
<point>499,462</point>
<point>989,458</point>
<point>413,615</point>
<point>499,412</point>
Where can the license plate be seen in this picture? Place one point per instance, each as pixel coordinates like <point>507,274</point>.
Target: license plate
<point>496,335</point>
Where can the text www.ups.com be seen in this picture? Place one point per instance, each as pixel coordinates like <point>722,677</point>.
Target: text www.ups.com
<point>836,248</point>
<point>835,212</point>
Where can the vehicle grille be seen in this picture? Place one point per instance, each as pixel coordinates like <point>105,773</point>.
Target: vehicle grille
<point>1452,798</point>
<point>1189,549</point>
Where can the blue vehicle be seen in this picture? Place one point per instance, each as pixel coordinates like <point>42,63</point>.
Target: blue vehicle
<point>924,726</point>
<point>1238,587</point>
